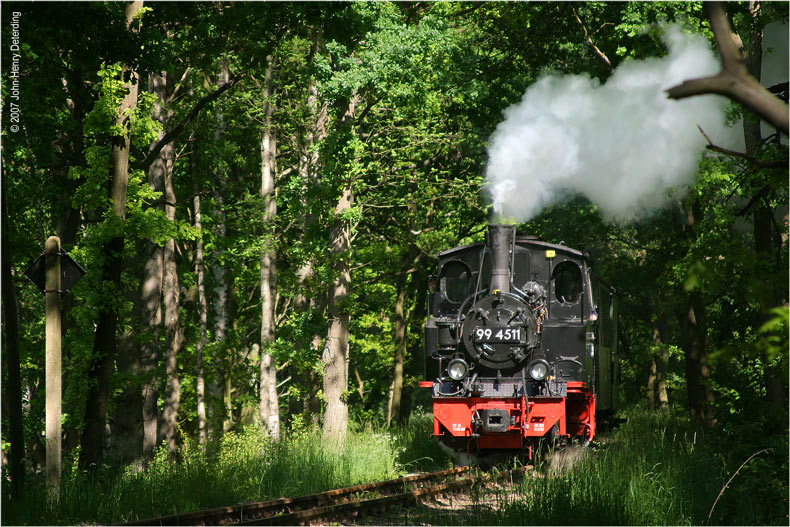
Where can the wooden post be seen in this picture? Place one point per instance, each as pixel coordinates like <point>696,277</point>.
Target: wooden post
<point>53,365</point>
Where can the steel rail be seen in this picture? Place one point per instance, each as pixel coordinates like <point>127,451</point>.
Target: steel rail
<point>304,517</point>
<point>260,509</point>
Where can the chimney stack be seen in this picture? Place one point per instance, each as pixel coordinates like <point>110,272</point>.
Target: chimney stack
<point>500,241</point>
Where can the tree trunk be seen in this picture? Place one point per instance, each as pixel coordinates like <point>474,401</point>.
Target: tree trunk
<point>400,349</point>
<point>699,343</point>
<point>200,380</point>
<point>103,355</point>
<point>13,385</point>
<point>415,319</point>
<point>174,340</point>
<point>172,297</point>
<point>651,386</point>
<point>151,318</point>
<point>662,363</point>
<point>153,278</point>
<point>408,267</point>
<point>127,419</point>
<point>221,290</point>
<point>335,351</point>
<point>767,297</point>
<point>78,101</point>
<point>762,214</point>
<point>698,383</point>
<point>312,403</point>
<point>269,405</point>
<point>658,368</point>
<point>309,171</point>
<point>336,348</point>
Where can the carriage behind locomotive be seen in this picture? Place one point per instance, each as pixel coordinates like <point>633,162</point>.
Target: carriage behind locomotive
<point>520,344</point>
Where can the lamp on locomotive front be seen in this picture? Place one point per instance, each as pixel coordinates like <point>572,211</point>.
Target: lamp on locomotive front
<point>457,369</point>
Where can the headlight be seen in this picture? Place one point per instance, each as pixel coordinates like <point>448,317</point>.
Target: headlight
<point>538,369</point>
<point>457,369</point>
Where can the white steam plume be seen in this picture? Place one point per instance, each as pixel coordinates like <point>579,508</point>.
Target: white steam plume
<point>621,144</point>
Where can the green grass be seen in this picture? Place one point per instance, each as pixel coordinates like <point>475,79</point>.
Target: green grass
<point>657,471</point>
<point>416,450</point>
<point>244,466</point>
<point>654,470</point>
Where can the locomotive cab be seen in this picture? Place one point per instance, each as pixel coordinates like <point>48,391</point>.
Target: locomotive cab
<point>520,343</point>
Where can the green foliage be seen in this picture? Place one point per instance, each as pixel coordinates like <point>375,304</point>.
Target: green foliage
<point>774,333</point>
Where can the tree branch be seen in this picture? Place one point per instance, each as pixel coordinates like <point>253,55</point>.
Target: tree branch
<point>757,197</point>
<point>179,128</point>
<point>475,7</point>
<point>732,477</point>
<point>368,108</point>
<point>595,48</point>
<point>751,159</point>
<point>179,84</point>
<point>734,80</point>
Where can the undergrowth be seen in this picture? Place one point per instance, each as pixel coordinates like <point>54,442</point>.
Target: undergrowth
<point>656,469</point>
<point>243,466</point>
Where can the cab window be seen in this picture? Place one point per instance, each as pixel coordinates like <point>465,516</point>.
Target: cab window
<point>567,286</point>
<point>454,281</point>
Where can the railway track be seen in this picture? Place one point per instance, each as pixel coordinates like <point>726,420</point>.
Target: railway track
<point>338,504</point>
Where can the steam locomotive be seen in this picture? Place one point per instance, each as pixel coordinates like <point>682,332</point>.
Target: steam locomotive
<point>520,345</point>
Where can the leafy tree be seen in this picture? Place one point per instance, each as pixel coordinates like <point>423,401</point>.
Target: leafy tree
<point>296,272</point>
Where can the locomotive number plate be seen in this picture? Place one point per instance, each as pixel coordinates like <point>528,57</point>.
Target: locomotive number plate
<point>509,335</point>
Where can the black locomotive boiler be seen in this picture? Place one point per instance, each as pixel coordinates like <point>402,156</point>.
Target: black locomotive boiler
<point>520,344</point>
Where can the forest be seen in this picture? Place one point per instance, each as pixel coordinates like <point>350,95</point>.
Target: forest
<point>258,191</point>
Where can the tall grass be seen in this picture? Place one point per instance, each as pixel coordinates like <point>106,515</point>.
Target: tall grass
<point>658,470</point>
<point>244,466</point>
<point>417,450</point>
<point>655,470</point>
